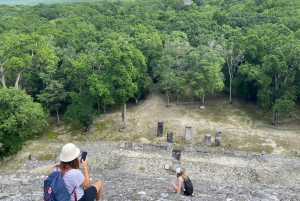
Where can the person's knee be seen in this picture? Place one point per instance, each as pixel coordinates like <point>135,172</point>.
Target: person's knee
<point>98,185</point>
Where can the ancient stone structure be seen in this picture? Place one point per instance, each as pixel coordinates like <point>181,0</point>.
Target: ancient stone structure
<point>188,133</point>
<point>217,174</point>
<point>160,129</point>
<point>150,146</point>
<point>176,154</point>
<point>170,136</point>
<point>128,144</point>
<point>207,140</point>
<point>31,157</point>
<point>218,138</point>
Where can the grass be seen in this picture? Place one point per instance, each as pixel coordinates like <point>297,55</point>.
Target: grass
<point>241,125</point>
<point>75,127</point>
<point>50,134</point>
<point>100,127</point>
<point>142,169</point>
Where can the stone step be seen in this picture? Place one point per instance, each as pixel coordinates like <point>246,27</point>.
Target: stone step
<point>131,187</point>
<point>132,172</point>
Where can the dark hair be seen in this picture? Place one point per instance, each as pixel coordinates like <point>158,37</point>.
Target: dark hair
<point>74,164</point>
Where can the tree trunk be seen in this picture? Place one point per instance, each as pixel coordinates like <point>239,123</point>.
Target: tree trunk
<point>104,107</point>
<point>168,97</point>
<point>276,85</point>
<point>88,129</point>
<point>230,80</point>
<point>58,121</point>
<point>124,116</point>
<point>136,101</point>
<point>2,76</point>
<point>274,118</point>
<point>18,79</point>
<point>203,99</point>
<point>177,102</point>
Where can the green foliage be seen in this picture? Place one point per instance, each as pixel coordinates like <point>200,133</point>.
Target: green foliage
<point>81,58</point>
<point>20,119</point>
<point>80,110</point>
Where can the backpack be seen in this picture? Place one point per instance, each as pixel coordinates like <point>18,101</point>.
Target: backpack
<point>55,188</point>
<point>188,185</point>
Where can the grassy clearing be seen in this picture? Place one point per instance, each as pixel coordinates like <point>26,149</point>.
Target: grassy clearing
<point>242,125</point>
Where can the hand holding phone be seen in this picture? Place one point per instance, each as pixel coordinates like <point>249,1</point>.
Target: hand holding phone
<point>83,156</point>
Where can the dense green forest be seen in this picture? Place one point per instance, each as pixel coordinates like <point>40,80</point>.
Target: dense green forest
<point>77,59</point>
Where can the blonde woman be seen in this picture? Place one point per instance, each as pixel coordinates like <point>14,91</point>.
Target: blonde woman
<point>180,188</point>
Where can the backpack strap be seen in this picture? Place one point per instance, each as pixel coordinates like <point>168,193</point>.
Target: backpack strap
<point>74,192</point>
<point>57,168</point>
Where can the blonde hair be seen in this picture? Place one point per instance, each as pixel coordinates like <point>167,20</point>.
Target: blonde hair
<point>183,175</point>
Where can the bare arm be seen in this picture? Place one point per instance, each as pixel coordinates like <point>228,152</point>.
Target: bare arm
<point>86,182</point>
<point>179,186</point>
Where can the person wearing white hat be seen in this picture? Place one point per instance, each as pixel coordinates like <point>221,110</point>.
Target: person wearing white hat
<point>181,176</point>
<point>73,177</point>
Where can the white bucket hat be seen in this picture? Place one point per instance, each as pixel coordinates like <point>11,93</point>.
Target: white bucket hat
<point>178,170</point>
<point>69,152</point>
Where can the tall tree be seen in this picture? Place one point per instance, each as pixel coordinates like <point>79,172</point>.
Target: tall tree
<point>233,57</point>
<point>52,96</point>
<point>204,73</point>
<point>18,52</point>
<point>122,66</point>
<point>174,58</point>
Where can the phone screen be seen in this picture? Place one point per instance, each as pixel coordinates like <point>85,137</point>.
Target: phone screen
<point>83,156</point>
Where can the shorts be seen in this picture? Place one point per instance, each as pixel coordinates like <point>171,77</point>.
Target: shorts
<point>89,194</point>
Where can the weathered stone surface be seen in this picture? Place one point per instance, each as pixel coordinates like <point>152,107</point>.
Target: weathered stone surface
<point>239,176</point>
<point>170,136</point>
<point>207,140</point>
<point>160,129</point>
<point>188,133</point>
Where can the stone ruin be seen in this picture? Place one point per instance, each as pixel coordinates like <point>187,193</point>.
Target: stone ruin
<point>188,133</point>
<point>218,138</point>
<point>170,136</point>
<point>207,140</point>
<point>176,155</point>
<point>160,129</point>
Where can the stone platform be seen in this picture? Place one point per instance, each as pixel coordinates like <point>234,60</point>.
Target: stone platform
<point>136,172</point>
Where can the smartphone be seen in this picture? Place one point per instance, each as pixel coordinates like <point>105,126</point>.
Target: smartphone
<point>83,156</point>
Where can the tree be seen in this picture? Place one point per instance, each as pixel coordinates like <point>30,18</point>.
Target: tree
<point>52,96</point>
<point>81,109</point>
<point>78,71</point>
<point>123,65</point>
<point>20,119</point>
<point>233,57</point>
<point>102,91</point>
<point>204,73</point>
<point>172,64</point>
<point>17,52</point>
